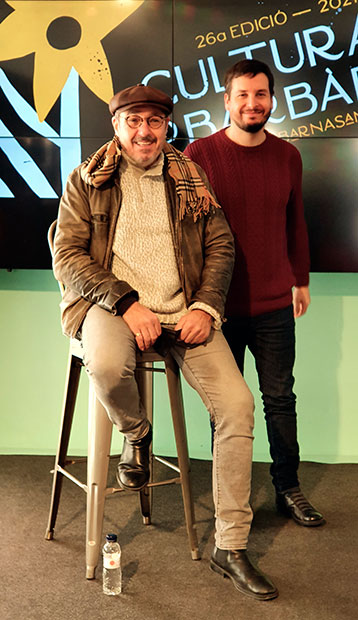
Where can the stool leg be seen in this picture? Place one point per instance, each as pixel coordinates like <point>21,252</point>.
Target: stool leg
<point>144,378</point>
<point>99,445</point>
<point>72,381</point>
<point>177,408</point>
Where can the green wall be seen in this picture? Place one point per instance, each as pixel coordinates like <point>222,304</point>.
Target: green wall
<point>34,357</point>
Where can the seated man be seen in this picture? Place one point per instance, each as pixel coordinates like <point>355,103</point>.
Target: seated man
<point>141,245</point>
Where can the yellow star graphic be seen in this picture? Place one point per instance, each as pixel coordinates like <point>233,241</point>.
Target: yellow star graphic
<point>63,35</point>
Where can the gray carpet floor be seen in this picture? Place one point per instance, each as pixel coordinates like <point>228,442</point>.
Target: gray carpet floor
<point>315,569</point>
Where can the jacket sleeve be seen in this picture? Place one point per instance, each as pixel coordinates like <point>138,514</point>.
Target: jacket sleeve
<point>219,257</point>
<point>80,247</point>
<point>218,264</point>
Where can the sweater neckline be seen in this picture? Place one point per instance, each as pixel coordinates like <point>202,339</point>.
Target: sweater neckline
<point>241,147</point>
<point>156,169</point>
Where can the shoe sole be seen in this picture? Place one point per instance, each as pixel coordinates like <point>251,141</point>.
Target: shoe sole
<point>290,515</point>
<point>259,597</point>
<point>308,523</point>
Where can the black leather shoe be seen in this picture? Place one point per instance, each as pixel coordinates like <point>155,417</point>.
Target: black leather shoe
<point>133,467</point>
<point>294,504</point>
<point>245,576</point>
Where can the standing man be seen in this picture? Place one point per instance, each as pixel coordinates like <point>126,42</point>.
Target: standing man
<point>144,250</point>
<point>257,180</point>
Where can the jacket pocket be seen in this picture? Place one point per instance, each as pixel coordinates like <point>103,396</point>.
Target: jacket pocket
<point>99,224</point>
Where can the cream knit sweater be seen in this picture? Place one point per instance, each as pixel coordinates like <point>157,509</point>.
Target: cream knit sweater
<point>143,251</point>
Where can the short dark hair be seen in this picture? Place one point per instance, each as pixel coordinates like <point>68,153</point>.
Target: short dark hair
<point>248,67</point>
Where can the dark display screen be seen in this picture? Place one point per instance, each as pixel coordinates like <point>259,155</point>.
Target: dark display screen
<point>60,63</point>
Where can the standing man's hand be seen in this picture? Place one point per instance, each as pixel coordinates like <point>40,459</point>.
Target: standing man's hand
<point>144,324</point>
<point>195,326</point>
<point>301,300</point>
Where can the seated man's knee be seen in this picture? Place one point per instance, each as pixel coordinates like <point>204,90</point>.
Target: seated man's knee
<point>240,409</point>
<point>110,373</point>
<point>241,400</point>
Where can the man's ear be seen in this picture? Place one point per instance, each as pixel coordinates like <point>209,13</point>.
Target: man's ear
<point>115,122</point>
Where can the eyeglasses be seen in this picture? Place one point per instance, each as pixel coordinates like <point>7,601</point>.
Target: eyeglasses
<point>134,121</point>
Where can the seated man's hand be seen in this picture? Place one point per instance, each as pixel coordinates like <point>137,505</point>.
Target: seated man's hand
<point>195,327</point>
<point>144,324</point>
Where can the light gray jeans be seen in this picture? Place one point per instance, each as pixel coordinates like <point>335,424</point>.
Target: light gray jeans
<point>110,358</point>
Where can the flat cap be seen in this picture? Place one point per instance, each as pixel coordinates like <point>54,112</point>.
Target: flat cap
<point>140,95</point>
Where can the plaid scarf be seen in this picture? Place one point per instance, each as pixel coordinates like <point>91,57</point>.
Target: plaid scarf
<point>194,198</point>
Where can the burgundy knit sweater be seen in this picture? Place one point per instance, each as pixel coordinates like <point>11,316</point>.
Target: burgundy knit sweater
<point>259,189</point>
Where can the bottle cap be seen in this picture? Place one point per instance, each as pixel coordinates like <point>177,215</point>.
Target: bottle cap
<point>111,537</point>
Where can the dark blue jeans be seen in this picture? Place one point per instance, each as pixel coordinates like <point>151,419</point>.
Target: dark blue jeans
<point>271,339</point>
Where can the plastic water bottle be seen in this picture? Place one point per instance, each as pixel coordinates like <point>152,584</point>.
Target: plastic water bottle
<point>112,572</point>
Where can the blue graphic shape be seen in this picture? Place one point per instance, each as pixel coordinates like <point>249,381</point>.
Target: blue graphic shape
<point>24,165</point>
<point>68,141</point>
<point>4,190</point>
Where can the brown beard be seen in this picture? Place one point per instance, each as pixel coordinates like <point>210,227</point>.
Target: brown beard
<point>254,128</point>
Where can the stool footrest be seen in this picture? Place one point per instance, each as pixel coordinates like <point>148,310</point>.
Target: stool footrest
<point>67,474</point>
<point>167,463</point>
<point>112,490</point>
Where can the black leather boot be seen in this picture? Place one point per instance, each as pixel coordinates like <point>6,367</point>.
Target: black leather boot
<point>133,467</point>
<point>246,577</point>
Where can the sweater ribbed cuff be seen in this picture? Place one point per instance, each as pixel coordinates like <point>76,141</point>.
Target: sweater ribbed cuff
<point>199,305</point>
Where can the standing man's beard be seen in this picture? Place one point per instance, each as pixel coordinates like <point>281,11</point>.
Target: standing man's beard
<point>254,127</point>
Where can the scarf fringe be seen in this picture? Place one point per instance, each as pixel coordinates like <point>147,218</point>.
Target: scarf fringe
<point>196,208</point>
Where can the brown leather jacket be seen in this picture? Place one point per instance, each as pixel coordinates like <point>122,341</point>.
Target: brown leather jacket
<point>83,249</point>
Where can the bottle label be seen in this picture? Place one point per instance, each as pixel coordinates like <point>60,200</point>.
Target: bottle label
<point>111,560</point>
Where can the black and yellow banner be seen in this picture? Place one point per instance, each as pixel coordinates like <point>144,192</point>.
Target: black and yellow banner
<point>61,61</point>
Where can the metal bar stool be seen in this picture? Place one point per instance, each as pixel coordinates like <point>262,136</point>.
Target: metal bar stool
<point>99,443</point>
